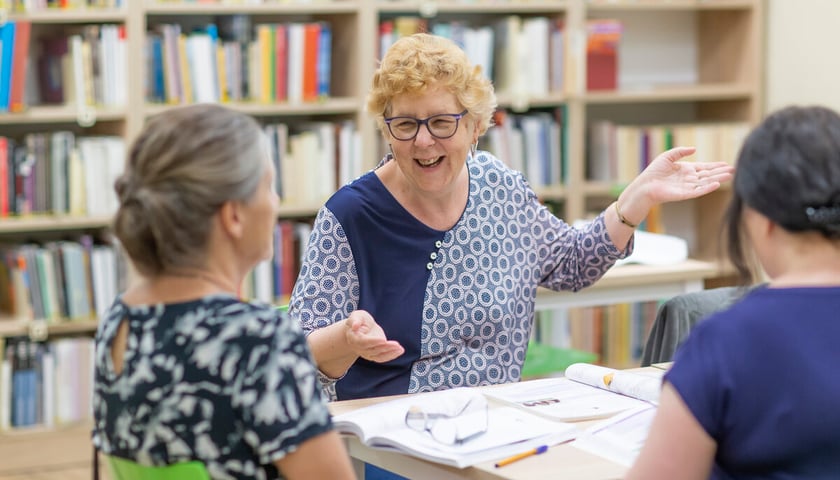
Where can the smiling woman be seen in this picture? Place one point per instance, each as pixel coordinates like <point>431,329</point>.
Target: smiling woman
<point>422,274</point>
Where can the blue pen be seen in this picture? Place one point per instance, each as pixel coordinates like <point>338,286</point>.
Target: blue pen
<point>533,451</point>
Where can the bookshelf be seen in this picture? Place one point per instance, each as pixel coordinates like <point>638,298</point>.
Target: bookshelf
<point>719,55</point>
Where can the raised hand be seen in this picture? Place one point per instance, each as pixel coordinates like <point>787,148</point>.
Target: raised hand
<point>668,179</point>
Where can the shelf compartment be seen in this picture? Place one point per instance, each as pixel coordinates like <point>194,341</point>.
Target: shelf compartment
<point>618,5</point>
<point>675,93</point>
<point>319,8</point>
<point>330,106</point>
<point>13,328</point>
<point>51,223</point>
<point>87,15</point>
<point>40,114</point>
<point>430,8</point>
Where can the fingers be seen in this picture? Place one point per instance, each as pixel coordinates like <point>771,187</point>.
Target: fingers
<point>677,153</point>
<point>379,350</point>
<point>384,352</point>
<point>713,166</point>
<point>703,189</point>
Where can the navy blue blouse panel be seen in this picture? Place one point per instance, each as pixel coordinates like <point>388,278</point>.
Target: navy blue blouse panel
<point>397,274</point>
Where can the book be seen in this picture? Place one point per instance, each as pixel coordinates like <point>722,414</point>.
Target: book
<point>586,392</point>
<point>603,36</point>
<point>619,438</point>
<point>7,47</point>
<point>20,61</point>
<point>508,430</point>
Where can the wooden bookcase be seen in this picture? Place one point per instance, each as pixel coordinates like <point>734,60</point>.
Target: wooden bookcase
<point>724,38</point>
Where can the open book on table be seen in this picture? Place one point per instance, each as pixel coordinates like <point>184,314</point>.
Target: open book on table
<point>586,392</point>
<point>492,432</point>
<point>619,438</point>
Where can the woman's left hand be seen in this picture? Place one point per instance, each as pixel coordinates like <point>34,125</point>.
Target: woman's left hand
<point>667,179</point>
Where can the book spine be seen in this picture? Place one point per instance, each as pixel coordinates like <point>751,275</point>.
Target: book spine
<point>7,41</point>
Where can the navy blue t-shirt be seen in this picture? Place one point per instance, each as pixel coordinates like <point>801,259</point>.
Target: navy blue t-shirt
<point>762,379</point>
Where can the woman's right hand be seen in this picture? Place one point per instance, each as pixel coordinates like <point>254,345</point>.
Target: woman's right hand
<point>368,340</point>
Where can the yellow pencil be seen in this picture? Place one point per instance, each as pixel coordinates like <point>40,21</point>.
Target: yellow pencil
<point>533,451</point>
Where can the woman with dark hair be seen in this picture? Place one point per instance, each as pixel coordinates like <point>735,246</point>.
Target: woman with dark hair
<point>753,391</point>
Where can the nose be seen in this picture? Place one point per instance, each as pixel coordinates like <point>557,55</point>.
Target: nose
<point>424,136</point>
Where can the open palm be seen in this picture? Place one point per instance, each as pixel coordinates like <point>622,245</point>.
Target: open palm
<point>669,178</point>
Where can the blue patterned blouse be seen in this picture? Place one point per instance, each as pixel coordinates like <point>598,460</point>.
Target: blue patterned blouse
<point>228,383</point>
<point>461,301</point>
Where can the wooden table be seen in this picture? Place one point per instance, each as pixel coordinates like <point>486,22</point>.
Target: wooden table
<point>560,461</point>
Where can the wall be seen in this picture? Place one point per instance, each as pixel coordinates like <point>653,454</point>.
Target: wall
<point>803,66</point>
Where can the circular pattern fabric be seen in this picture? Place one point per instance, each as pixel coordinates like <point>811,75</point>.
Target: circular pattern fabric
<point>475,306</point>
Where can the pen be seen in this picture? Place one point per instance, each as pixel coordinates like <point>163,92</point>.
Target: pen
<point>533,451</point>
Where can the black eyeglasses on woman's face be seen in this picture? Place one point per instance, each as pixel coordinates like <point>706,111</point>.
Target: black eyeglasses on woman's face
<point>441,126</point>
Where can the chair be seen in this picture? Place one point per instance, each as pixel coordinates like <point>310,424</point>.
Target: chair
<point>676,317</point>
<point>123,469</point>
<point>543,360</point>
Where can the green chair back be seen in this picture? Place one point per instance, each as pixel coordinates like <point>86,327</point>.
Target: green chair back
<point>122,469</point>
<point>542,360</point>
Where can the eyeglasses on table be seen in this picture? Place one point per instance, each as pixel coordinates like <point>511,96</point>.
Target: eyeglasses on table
<point>465,424</point>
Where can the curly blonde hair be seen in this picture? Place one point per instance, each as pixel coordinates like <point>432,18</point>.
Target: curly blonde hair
<point>417,62</point>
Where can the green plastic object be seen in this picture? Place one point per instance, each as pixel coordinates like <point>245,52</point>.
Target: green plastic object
<point>122,469</point>
<point>283,308</point>
<point>543,360</point>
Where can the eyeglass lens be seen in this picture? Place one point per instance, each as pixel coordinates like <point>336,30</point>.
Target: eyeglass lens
<point>468,423</point>
<point>440,126</point>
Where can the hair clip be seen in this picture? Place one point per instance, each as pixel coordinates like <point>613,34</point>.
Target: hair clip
<point>823,215</point>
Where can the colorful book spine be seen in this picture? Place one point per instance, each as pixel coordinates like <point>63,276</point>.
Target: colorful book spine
<point>7,42</point>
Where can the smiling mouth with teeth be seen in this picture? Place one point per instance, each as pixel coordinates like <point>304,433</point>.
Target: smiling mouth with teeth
<point>429,162</point>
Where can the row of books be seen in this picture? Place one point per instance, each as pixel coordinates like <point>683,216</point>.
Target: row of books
<point>534,144</point>
<point>282,62</point>
<point>272,281</point>
<point>60,173</point>
<point>616,333</point>
<point>523,56</point>
<point>312,159</point>
<point>85,69</point>
<point>60,281</point>
<point>45,384</point>
<point>617,153</point>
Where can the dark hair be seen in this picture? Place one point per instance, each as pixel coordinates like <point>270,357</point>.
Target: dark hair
<point>787,170</point>
<point>185,164</point>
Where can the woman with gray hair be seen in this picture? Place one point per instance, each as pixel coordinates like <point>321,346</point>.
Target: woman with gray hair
<point>184,369</point>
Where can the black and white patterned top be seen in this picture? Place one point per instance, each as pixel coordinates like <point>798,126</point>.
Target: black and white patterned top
<point>461,301</point>
<point>229,383</point>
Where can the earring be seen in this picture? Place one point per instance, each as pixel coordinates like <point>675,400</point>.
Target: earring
<point>474,147</point>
